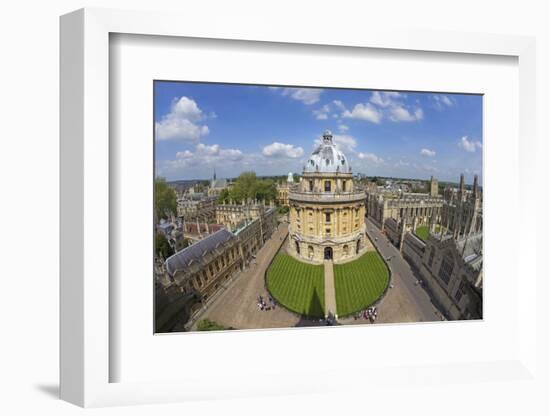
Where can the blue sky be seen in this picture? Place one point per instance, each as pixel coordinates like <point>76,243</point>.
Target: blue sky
<point>273,130</point>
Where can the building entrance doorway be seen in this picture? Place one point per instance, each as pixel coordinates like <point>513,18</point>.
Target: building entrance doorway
<point>328,253</point>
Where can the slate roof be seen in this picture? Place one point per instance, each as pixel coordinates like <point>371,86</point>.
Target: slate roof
<point>218,183</point>
<point>415,241</point>
<point>473,253</point>
<point>392,224</point>
<point>194,253</point>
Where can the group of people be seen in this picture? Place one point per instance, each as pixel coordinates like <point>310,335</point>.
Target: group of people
<point>266,306</point>
<point>370,314</point>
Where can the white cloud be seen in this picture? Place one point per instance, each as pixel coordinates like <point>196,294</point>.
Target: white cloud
<point>207,154</point>
<point>277,149</point>
<point>327,110</point>
<point>339,105</point>
<point>383,105</point>
<point>427,152</point>
<point>322,113</point>
<point>371,157</point>
<point>184,155</point>
<point>209,150</point>
<point>231,154</point>
<point>366,112</point>
<point>187,108</point>
<point>306,95</point>
<point>400,113</point>
<point>469,145</point>
<point>440,102</point>
<point>343,127</point>
<point>384,99</point>
<point>343,142</point>
<point>182,122</point>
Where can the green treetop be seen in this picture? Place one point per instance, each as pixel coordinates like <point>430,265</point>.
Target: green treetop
<point>247,185</point>
<point>165,199</point>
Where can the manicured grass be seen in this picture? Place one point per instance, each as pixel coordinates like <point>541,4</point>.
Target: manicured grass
<point>299,287</point>
<point>423,232</point>
<point>359,283</point>
<point>208,325</point>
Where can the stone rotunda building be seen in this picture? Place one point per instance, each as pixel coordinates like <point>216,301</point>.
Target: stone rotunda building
<point>327,213</point>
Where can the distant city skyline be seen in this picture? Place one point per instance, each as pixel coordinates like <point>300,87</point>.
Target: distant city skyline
<point>233,128</point>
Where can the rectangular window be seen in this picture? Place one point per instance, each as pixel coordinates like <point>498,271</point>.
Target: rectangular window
<point>310,186</point>
<point>344,186</point>
<point>327,186</point>
<point>460,292</point>
<point>446,269</point>
<point>327,217</point>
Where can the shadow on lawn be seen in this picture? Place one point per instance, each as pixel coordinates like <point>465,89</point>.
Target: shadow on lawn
<point>315,312</point>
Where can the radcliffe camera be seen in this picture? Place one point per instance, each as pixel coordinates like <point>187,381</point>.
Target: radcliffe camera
<point>279,207</point>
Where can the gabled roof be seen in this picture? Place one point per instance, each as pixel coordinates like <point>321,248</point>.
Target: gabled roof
<point>194,253</point>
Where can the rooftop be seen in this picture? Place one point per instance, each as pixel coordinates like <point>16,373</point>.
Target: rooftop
<point>184,258</point>
<point>326,158</point>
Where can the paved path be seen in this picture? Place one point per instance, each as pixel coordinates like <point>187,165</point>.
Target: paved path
<point>237,306</point>
<point>407,301</point>
<point>330,292</point>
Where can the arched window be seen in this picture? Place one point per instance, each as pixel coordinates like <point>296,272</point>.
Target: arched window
<point>310,186</point>
<point>310,251</point>
<point>297,247</point>
<point>446,268</point>
<point>344,186</point>
<point>346,250</point>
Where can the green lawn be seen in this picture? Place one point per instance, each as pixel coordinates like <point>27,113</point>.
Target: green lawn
<point>359,283</point>
<point>300,287</point>
<point>208,325</point>
<point>423,231</point>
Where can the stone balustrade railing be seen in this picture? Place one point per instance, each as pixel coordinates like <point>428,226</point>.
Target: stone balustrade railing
<point>327,197</point>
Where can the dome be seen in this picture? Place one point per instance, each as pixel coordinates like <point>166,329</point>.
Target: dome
<point>326,158</point>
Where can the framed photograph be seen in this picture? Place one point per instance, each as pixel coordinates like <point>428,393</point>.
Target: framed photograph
<point>364,232</point>
<point>227,198</point>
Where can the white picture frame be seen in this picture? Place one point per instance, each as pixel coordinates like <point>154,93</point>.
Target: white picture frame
<point>85,211</point>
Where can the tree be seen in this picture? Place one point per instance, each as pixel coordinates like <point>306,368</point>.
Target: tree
<point>181,244</point>
<point>283,209</point>
<point>208,325</point>
<point>265,190</point>
<point>247,185</point>
<point>244,187</point>
<point>165,199</point>
<point>162,247</point>
<point>223,197</point>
